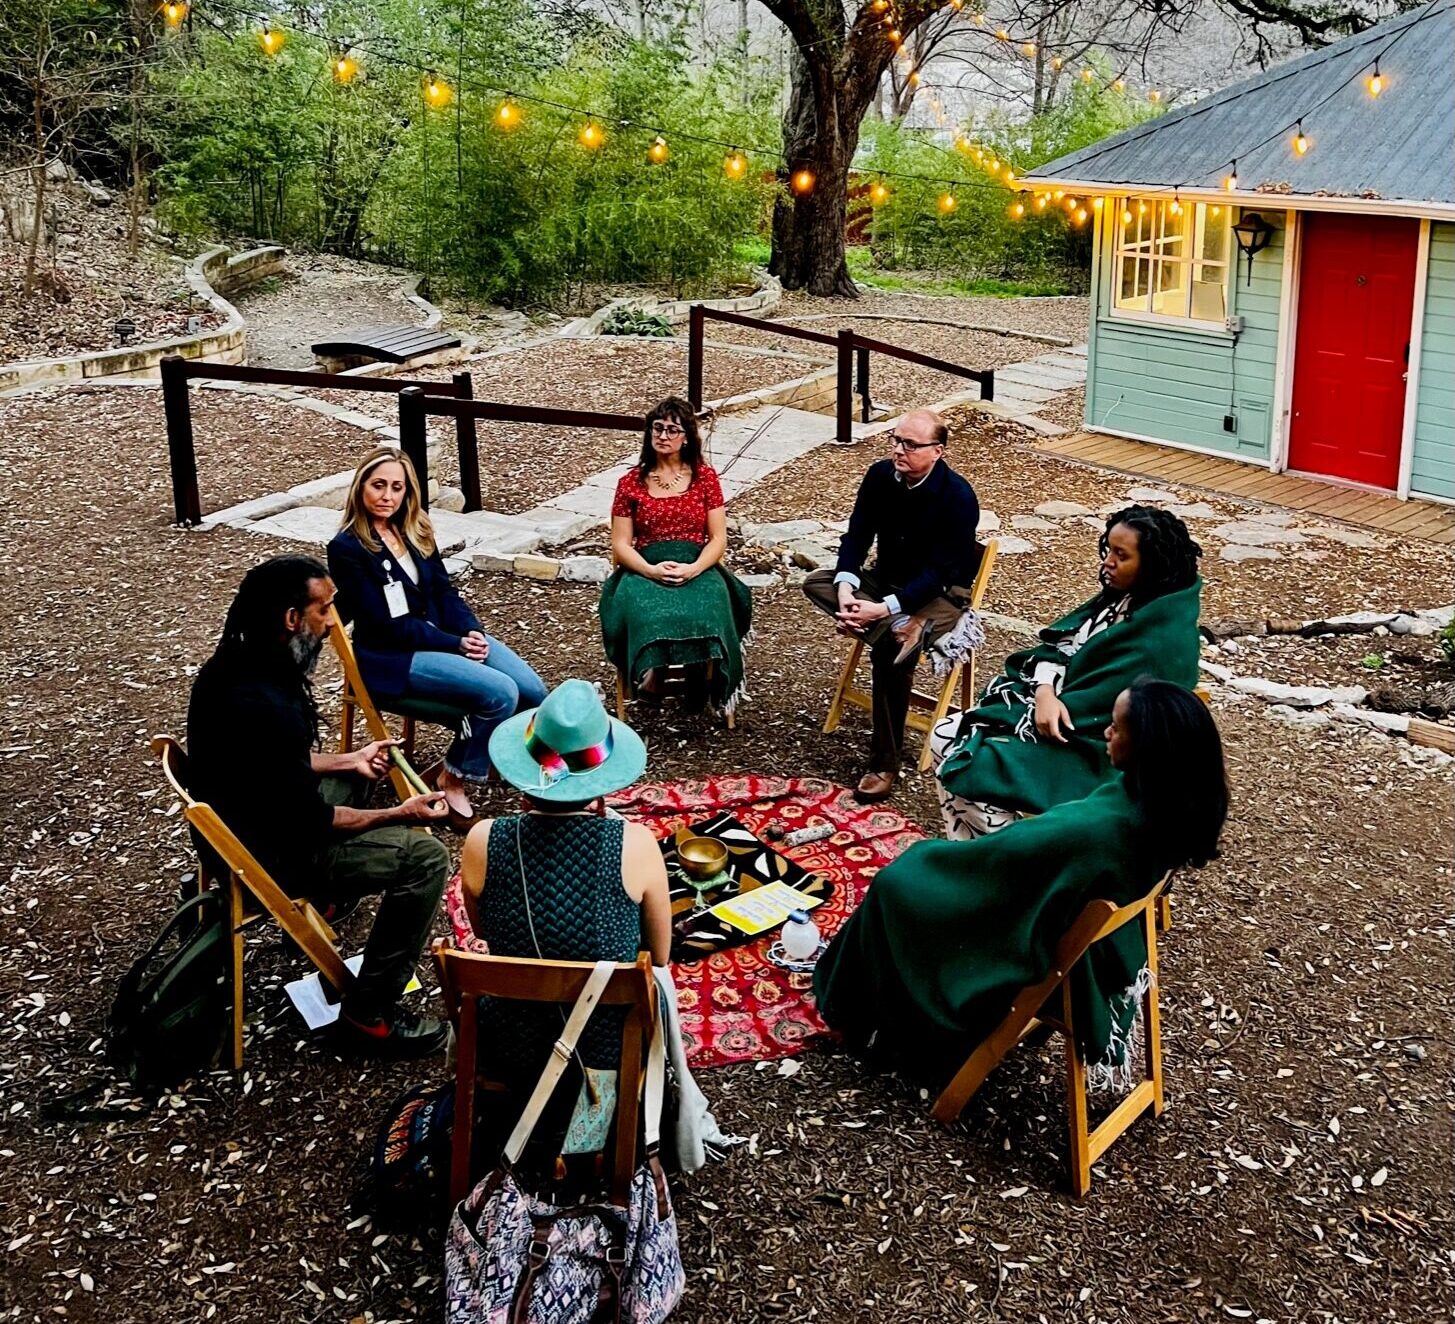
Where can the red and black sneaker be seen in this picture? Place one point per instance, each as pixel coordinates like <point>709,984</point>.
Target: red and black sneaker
<point>401,1034</point>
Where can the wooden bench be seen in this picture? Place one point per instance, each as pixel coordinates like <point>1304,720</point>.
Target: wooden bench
<point>380,344</point>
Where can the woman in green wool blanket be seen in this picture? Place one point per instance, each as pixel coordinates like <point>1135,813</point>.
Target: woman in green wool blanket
<point>1036,738</point>
<point>670,601</point>
<point>951,931</point>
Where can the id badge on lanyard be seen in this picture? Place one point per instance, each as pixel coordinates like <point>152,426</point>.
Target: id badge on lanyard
<point>394,597</point>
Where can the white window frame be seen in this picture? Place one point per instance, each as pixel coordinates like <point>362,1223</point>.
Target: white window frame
<point>1121,250</point>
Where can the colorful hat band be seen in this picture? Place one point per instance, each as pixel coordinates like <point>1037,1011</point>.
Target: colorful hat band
<point>555,764</point>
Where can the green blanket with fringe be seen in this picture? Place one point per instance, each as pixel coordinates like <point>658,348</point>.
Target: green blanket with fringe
<point>1003,760</point>
<point>646,625</point>
<point>950,932</point>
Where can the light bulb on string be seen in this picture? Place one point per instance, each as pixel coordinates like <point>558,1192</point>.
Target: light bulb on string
<point>1215,211</point>
<point>1080,216</point>
<point>345,67</point>
<point>1375,81</point>
<point>1175,207</point>
<point>1057,195</point>
<point>1154,96</point>
<point>1300,141</point>
<point>957,4</point>
<point>1096,203</point>
<point>507,115</point>
<point>591,135</point>
<point>735,164</point>
<point>1041,201</point>
<point>914,77</point>
<point>437,94</point>
<point>878,194</point>
<point>1001,34</point>
<point>658,151</point>
<point>1017,210</point>
<point>1230,180</point>
<point>947,203</point>
<point>1141,209</point>
<point>1028,49</point>
<point>1087,75</point>
<point>1070,204</point>
<point>174,11</point>
<point>1120,85</point>
<point>1126,215</point>
<point>802,181</point>
<point>271,40</point>
<point>1009,175</point>
<point>1057,62</point>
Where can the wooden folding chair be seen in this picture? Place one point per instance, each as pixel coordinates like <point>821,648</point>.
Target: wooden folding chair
<point>356,698</point>
<point>245,879</point>
<point>1031,1015</point>
<point>925,710</point>
<point>466,977</point>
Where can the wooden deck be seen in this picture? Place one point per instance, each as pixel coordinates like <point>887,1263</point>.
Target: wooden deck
<point>1371,510</point>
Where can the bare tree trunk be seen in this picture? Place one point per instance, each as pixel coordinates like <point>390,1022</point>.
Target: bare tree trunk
<point>809,245</point>
<point>38,175</point>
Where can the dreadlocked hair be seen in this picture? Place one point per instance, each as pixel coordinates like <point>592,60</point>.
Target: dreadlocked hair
<point>255,619</point>
<point>1168,555</point>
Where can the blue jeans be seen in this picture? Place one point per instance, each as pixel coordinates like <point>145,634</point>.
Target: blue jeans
<point>486,692</point>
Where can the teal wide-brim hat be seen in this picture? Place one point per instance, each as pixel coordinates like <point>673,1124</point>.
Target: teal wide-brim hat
<point>569,748</point>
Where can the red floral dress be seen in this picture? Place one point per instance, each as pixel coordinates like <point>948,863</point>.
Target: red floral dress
<point>664,519</point>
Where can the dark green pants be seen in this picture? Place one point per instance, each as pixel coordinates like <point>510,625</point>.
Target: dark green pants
<point>407,869</point>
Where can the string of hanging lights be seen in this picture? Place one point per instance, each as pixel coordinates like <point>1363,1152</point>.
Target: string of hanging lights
<point>436,92</point>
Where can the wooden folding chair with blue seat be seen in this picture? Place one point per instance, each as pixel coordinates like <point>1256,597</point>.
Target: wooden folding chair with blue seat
<point>246,881</point>
<point>1046,1007</point>
<point>356,699</point>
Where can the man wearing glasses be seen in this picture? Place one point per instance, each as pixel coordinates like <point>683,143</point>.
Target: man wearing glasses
<point>923,516</point>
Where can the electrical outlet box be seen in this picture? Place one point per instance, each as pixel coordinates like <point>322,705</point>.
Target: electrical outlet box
<point>1230,423</point>
<point>1234,324</point>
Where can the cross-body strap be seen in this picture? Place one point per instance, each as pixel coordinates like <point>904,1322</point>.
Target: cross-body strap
<point>656,1079</point>
<point>561,1052</point>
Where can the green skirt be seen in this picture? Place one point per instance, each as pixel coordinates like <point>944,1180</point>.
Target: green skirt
<point>646,625</point>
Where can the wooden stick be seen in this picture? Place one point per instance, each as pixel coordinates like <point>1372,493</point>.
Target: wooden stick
<point>413,778</point>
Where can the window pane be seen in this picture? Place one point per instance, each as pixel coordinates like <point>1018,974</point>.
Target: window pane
<point>1135,281</point>
<point>1214,221</point>
<point>1170,298</point>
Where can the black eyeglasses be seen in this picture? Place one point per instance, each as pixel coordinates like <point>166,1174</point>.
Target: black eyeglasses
<point>661,429</point>
<point>905,444</point>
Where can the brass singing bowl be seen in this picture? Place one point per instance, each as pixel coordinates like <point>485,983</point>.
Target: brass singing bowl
<point>702,858</point>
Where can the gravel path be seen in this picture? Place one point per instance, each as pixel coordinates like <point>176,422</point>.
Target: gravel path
<point>322,296</point>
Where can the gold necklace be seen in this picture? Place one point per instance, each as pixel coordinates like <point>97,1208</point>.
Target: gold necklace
<point>667,484</point>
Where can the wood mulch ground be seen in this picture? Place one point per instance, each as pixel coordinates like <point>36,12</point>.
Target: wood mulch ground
<point>1299,1174</point>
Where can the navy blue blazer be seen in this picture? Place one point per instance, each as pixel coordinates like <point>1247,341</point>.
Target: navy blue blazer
<point>436,622</point>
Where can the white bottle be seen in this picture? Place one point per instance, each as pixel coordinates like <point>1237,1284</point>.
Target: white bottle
<point>800,936</point>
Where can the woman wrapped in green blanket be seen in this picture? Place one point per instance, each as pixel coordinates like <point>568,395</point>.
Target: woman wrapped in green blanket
<point>951,931</point>
<point>1036,738</point>
<point>670,601</point>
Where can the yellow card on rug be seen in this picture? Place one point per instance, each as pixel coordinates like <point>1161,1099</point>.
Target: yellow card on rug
<point>764,907</point>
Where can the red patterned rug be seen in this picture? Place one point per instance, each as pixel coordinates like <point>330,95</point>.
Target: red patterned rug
<point>735,1005</point>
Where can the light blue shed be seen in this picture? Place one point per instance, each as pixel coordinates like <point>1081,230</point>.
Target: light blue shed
<point>1275,265</point>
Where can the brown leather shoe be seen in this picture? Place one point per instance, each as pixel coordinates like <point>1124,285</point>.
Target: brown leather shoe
<point>873,787</point>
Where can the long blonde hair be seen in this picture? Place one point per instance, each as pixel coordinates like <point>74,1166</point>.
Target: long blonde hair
<point>410,518</point>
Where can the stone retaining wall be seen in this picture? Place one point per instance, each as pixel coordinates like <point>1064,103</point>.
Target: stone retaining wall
<point>211,274</point>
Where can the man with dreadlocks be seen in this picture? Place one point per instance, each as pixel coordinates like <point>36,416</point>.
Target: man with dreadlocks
<point>252,735</point>
<point>1036,740</point>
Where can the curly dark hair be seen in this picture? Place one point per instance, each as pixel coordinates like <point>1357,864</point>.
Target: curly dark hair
<point>1168,553</point>
<point>1176,773</point>
<point>678,411</point>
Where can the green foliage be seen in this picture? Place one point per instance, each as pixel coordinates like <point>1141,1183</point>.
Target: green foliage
<point>626,321</point>
<point>979,240</point>
<point>275,148</point>
<point>1447,643</point>
<point>1373,661</point>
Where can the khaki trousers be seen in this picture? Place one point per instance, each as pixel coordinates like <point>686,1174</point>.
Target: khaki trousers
<point>892,685</point>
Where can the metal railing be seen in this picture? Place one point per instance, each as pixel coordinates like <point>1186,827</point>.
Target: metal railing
<point>851,359</point>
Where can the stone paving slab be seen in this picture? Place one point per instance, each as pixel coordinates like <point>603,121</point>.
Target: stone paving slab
<point>1068,362</point>
<point>585,500</point>
<point>246,512</point>
<point>1005,392</point>
<point>1037,375</point>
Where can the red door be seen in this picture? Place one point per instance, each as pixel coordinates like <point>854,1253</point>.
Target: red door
<point>1355,298</point>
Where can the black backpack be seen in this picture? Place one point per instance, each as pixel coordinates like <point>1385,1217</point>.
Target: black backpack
<point>172,1012</point>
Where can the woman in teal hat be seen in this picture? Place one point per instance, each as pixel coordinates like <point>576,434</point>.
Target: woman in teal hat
<point>563,880</point>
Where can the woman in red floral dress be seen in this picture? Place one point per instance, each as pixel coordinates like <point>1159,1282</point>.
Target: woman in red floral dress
<point>670,601</point>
